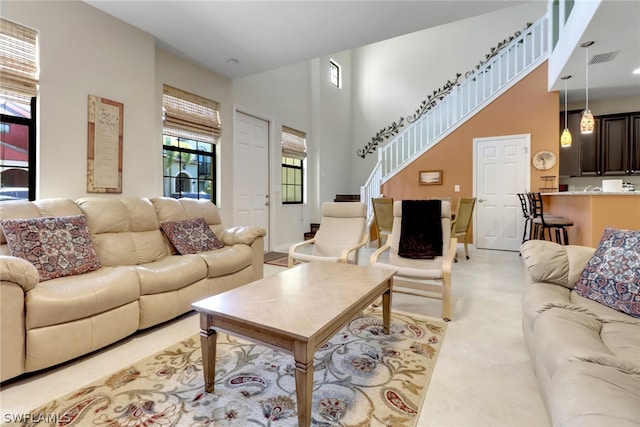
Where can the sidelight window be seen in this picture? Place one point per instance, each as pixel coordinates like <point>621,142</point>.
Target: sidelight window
<point>294,153</point>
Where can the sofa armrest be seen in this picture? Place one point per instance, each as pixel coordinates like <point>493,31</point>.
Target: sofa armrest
<point>242,235</point>
<point>552,263</point>
<point>18,271</point>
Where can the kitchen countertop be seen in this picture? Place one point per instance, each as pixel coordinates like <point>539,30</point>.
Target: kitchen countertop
<point>593,193</point>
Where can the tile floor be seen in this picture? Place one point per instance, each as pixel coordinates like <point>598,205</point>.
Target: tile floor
<point>483,376</point>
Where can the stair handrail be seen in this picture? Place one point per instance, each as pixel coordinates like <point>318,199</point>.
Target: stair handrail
<point>391,160</point>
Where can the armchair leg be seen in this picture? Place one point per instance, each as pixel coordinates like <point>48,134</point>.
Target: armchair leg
<point>446,302</point>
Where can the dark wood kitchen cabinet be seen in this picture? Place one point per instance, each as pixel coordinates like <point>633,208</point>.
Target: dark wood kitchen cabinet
<point>590,150</point>
<point>570,156</point>
<point>613,149</point>
<point>635,144</point>
<point>615,145</point>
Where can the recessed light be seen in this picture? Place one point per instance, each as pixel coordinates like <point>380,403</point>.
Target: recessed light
<point>636,71</point>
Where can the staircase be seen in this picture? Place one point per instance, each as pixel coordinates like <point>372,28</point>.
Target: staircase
<point>503,68</point>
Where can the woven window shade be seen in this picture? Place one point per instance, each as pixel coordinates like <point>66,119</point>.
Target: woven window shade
<point>18,64</point>
<point>294,143</point>
<point>190,116</point>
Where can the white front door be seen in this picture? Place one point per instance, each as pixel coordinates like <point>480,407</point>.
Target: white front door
<point>251,172</point>
<point>501,170</point>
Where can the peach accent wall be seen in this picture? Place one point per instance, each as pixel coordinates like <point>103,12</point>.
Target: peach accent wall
<point>592,213</point>
<point>526,108</point>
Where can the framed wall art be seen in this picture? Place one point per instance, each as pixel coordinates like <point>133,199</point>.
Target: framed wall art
<point>430,177</point>
<point>104,146</point>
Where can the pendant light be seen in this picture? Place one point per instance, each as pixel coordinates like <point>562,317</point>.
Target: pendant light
<point>587,123</point>
<point>565,138</point>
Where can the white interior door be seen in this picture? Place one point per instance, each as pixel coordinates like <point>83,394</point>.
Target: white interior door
<point>501,170</point>
<point>251,172</point>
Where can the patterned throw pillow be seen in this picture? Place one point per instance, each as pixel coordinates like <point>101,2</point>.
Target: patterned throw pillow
<point>56,246</point>
<point>191,236</point>
<point>612,275</point>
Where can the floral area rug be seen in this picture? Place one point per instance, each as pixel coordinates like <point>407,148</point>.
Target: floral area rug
<point>362,378</point>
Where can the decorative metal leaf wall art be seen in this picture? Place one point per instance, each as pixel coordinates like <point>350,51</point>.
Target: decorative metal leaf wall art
<point>432,100</point>
<point>382,135</point>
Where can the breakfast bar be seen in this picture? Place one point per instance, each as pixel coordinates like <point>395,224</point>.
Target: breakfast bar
<point>592,211</point>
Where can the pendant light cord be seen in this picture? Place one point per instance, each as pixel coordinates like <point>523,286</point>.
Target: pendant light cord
<point>565,103</point>
<point>586,61</point>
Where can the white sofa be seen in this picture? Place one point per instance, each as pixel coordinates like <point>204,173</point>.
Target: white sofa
<point>586,356</point>
<point>142,281</point>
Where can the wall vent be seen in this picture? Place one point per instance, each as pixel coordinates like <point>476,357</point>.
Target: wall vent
<point>603,57</point>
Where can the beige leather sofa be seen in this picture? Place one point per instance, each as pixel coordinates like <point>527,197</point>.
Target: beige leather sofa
<point>142,282</point>
<point>586,356</point>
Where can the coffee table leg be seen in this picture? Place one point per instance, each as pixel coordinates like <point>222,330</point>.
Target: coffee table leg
<point>304,382</point>
<point>208,340</point>
<point>386,308</point>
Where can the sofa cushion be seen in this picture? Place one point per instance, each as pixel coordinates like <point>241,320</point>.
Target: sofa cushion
<point>612,275</point>
<point>564,335</point>
<point>538,297</point>
<point>227,260</point>
<point>191,236</point>
<point>170,273</point>
<point>592,395</point>
<point>125,230</point>
<point>56,246</point>
<point>73,298</point>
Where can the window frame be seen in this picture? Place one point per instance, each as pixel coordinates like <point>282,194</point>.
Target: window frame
<point>333,64</point>
<point>197,155</point>
<point>298,170</point>
<point>30,123</point>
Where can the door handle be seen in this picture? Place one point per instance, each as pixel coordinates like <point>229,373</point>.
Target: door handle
<point>481,200</point>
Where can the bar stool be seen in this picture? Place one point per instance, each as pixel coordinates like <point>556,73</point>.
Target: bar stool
<point>542,221</point>
<point>526,212</point>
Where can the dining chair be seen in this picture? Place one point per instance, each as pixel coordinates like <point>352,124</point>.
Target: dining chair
<point>383,217</point>
<point>460,225</point>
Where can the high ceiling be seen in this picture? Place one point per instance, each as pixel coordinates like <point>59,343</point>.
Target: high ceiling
<point>240,38</point>
<point>266,35</point>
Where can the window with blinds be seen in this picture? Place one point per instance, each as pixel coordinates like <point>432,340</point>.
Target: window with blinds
<point>294,151</point>
<point>18,90</point>
<point>191,128</point>
<point>19,71</point>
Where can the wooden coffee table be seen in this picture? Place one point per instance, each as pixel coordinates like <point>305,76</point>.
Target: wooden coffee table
<point>295,311</point>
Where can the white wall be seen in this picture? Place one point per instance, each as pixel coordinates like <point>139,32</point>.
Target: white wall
<point>393,77</point>
<point>281,97</point>
<point>179,73</point>
<point>332,109</point>
<point>86,52</point>
<point>300,96</point>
